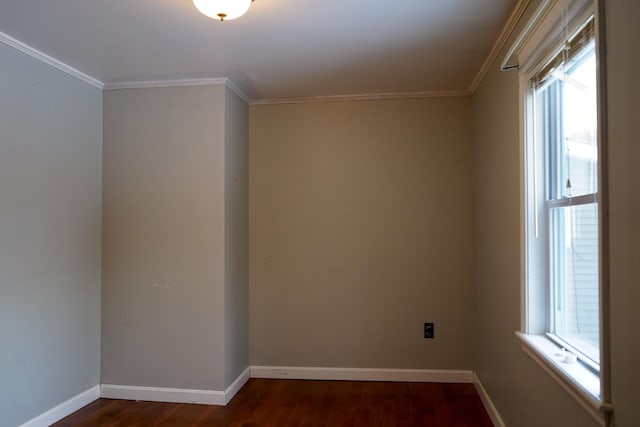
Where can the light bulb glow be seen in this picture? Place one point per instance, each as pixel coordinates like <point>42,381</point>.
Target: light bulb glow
<point>223,10</point>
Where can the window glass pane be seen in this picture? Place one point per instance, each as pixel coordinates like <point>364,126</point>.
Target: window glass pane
<point>574,277</point>
<point>579,153</point>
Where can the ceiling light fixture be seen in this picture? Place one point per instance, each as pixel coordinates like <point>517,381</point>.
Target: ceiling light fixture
<point>223,10</point>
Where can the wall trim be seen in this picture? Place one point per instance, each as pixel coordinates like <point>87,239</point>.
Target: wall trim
<point>235,386</point>
<point>222,398</point>
<point>507,30</point>
<point>362,97</point>
<point>41,56</point>
<point>360,374</point>
<point>162,394</point>
<point>235,89</point>
<point>64,409</point>
<point>180,82</point>
<point>496,419</point>
<point>23,47</point>
<point>175,395</point>
<point>165,83</point>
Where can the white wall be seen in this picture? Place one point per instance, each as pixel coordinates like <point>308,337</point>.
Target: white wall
<point>50,189</point>
<point>360,231</point>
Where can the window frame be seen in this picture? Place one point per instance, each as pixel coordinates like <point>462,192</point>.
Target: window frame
<point>536,46</point>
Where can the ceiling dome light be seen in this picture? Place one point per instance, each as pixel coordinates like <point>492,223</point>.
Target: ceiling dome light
<point>223,9</point>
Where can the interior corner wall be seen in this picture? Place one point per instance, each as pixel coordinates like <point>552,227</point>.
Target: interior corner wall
<point>163,292</point>
<point>360,228</point>
<point>236,236</point>
<point>50,187</point>
<point>523,393</point>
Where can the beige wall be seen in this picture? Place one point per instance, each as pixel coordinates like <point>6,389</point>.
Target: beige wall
<point>623,68</point>
<point>50,173</point>
<point>360,231</point>
<point>523,393</point>
<point>175,264</point>
<point>164,238</point>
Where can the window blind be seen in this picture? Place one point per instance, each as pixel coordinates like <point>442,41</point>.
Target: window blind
<point>568,53</point>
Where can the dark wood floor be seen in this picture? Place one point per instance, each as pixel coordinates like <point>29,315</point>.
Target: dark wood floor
<point>282,403</point>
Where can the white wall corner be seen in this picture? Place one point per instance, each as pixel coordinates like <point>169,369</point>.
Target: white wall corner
<point>359,374</point>
<point>64,409</point>
<point>496,419</point>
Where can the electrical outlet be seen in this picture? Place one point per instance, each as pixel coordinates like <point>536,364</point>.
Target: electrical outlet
<point>428,330</point>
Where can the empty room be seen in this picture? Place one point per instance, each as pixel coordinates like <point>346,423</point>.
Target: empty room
<point>319,213</point>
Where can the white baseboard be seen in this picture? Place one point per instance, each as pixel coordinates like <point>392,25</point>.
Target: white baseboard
<point>487,402</point>
<point>66,408</point>
<point>235,386</point>
<point>175,395</point>
<point>162,394</point>
<point>221,398</point>
<point>359,374</point>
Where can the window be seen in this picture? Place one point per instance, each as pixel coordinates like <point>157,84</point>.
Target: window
<point>565,178</point>
<point>564,318</point>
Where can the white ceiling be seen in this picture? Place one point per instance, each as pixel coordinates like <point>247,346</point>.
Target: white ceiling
<point>279,49</point>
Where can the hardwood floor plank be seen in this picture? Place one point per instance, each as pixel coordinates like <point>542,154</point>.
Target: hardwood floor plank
<point>103,412</point>
<point>297,403</point>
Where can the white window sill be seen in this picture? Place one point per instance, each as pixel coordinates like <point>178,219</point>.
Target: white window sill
<point>579,381</point>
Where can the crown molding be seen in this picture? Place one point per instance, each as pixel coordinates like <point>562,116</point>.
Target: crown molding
<point>362,97</point>
<point>165,83</point>
<point>507,30</point>
<point>214,81</point>
<point>235,89</point>
<point>34,53</point>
